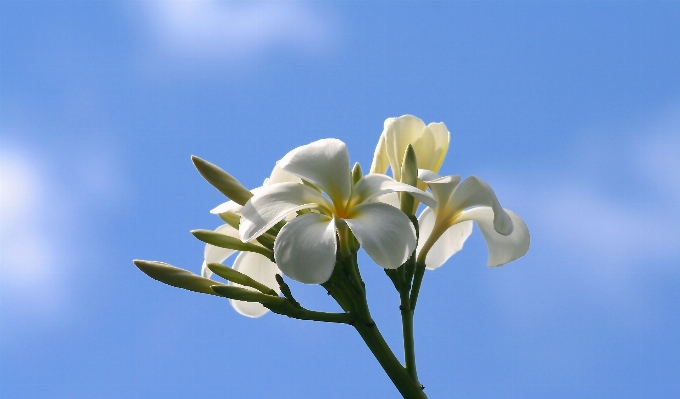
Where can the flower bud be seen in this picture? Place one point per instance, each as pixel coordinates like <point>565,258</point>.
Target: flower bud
<point>222,181</point>
<point>409,175</point>
<point>237,277</point>
<point>225,241</point>
<point>242,294</point>
<point>176,277</point>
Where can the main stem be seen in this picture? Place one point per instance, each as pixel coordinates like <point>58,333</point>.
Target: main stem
<point>347,280</point>
<point>408,388</point>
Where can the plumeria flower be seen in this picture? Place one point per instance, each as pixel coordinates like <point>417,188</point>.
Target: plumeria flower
<point>430,144</point>
<point>249,263</point>
<point>444,228</point>
<point>305,248</point>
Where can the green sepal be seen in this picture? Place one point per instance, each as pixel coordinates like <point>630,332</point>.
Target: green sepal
<point>230,218</point>
<point>176,277</point>
<point>392,274</point>
<point>222,181</point>
<point>409,175</point>
<point>242,294</point>
<point>225,241</point>
<point>357,174</point>
<point>237,277</point>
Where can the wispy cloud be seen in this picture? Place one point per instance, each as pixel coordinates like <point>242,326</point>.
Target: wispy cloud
<point>617,199</point>
<point>229,31</point>
<point>43,209</point>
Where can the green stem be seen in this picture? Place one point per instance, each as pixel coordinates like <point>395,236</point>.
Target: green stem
<point>409,343</point>
<point>408,388</point>
<point>304,314</point>
<point>407,324</point>
<point>417,281</point>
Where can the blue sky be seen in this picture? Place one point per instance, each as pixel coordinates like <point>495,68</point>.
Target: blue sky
<point>570,110</point>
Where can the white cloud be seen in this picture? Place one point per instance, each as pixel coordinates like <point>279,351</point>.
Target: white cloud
<point>42,210</point>
<point>216,30</point>
<point>28,250</point>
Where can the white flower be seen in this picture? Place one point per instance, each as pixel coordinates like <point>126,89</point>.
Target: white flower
<point>251,264</point>
<point>444,228</point>
<point>430,144</point>
<point>305,248</point>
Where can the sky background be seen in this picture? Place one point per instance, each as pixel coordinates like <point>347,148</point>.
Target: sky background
<point>570,110</point>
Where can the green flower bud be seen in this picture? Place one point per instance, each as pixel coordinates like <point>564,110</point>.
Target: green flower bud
<point>222,181</point>
<point>176,277</point>
<point>242,294</point>
<point>237,277</point>
<point>409,175</point>
<point>225,241</point>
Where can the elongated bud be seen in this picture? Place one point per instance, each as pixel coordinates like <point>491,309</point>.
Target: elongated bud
<point>409,175</point>
<point>176,277</point>
<point>242,294</point>
<point>225,241</point>
<point>230,218</point>
<point>222,181</point>
<point>357,174</point>
<point>237,277</point>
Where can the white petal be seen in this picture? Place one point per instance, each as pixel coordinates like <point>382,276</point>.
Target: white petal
<point>274,203</point>
<point>441,143</point>
<point>476,192</point>
<point>260,269</point>
<point>385,233</point>
<point>401,132</point>
<point>373,185</point>
<point>229,206</point>
<point>325,163</point>
<point>502,248</point>
<point>447,244</point>
<point>380,159</point>
<point>213,254</point>
<point>391,199</point>
<point>281,176</point>
<point>442,189</point>
<point>305,248</point>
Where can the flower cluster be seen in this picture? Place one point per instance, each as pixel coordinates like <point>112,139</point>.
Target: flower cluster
<point>313,204</point>
<point>314,213</point>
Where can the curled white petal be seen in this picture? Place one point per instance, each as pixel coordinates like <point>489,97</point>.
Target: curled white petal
<point>325,163</point>
<point>213,254</point>
<point>450,242</point>
<point>374,185</point>
<point>442,189</point>
<point>305,248</point>
<point>381,161</point>
<point>229,206</point>
<point>474,191</point>
<point>441,137</point>
<point>385,233</point>
<point>260,269</point>
<point>274,203</point>
<point>281,176</point>
<point>399,133</point>
<point>502,248</point>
